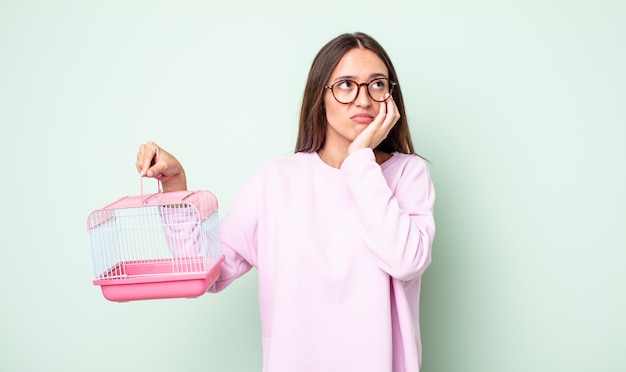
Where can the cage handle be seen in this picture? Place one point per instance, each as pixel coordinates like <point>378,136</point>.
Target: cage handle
<point>143,201</point>
<point>159,190</point>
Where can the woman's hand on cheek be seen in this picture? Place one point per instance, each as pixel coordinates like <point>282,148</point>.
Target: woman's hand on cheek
<point>378,129</point>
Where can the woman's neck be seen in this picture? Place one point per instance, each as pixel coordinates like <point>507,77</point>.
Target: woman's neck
<point>332,156</point>
<point>335,156</point>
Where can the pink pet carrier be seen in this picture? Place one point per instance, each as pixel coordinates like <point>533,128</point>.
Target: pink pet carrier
<point>154,246</point>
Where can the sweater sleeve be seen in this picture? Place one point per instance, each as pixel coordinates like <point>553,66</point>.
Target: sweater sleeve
<point>398,223</point>
<point>184,240</point>
<point>238,230</point>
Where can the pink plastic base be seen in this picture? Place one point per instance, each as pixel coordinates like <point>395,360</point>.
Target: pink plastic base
<point>142,284</point>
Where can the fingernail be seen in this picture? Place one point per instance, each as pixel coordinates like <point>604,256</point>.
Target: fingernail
<point>149,173</point>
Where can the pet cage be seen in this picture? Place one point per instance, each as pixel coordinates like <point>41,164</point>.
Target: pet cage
<point>154,246</point>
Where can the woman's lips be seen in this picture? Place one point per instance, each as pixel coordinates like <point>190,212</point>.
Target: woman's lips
<point>362,118</point>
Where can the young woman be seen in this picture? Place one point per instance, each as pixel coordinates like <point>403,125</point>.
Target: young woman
<point>341,231</point>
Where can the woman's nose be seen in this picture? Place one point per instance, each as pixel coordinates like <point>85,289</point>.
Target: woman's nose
<point>362,97</point>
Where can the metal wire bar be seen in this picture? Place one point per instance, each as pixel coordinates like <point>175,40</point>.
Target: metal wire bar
<point>152,241</point>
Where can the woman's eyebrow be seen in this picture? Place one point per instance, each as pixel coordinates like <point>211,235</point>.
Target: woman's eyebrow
<point>352,77</point>
<point>378,75</point>
<point>345,77</point>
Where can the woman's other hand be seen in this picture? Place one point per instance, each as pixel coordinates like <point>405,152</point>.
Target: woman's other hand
<point>154,162</point>
<point>379,128</point>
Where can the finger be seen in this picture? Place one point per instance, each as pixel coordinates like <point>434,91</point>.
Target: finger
<point>157,170</point>
<point>382,110</point>
<point>395,109</point>
<point>140,155</point>
<point>146,158</point>
<point>142,164</point>
<point>393,114</point>
<point>382,113</point>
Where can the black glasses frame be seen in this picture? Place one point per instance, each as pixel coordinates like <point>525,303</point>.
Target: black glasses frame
<point>392,85</point>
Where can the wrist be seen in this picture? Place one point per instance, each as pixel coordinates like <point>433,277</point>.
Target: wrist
<point>177,182</point>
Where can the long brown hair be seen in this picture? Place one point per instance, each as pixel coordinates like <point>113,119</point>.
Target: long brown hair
<point>313,123</point>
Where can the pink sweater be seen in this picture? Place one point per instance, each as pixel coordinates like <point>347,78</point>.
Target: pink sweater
<point>339,254</point>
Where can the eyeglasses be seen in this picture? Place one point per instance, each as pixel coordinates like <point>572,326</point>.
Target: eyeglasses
<point>346,91</point>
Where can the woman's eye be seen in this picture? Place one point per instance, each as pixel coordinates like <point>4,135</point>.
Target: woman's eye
<point>377,84</point>
<point>345,85</point>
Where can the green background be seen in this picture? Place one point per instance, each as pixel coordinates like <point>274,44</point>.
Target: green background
<point>518,105</point>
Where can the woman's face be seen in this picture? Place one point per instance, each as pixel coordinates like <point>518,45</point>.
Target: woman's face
<point>346,121</point>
